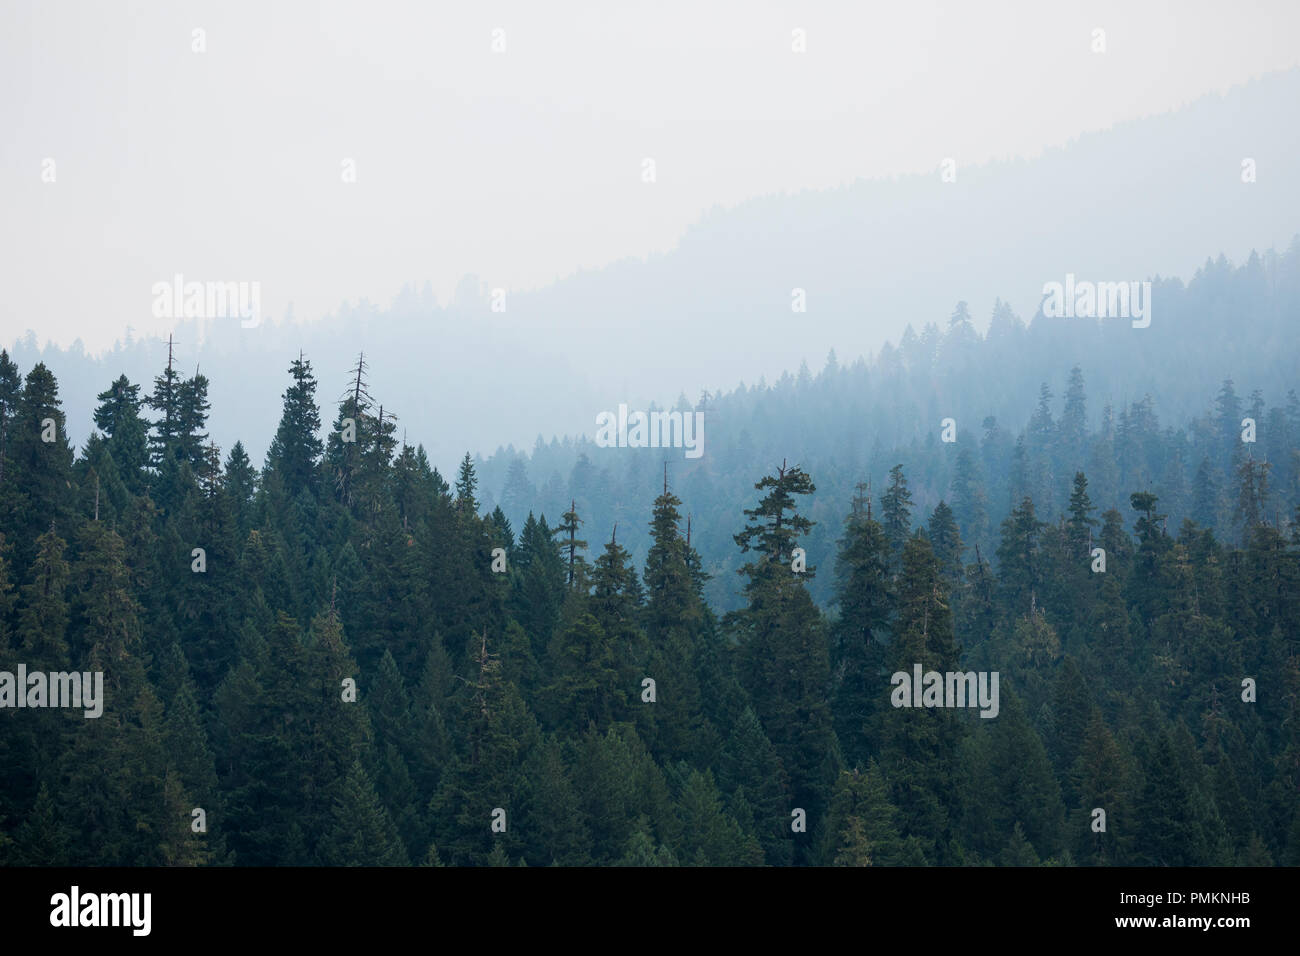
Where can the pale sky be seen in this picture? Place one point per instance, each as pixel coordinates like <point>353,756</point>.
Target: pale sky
<point>522,166</point>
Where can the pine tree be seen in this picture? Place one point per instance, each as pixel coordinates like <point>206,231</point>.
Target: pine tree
<point>946,542</point>
<point>192,408</point>
<point>498,733</point>
<point>361,833</point>
<point>709,836</point>
<point>896,511</point>
<point>1228,422</point>
<point>1040,448</point>
<point>42,491</point>
<point>585,689</point>
<point>969,502</point>
<point>346,443</point>
<point>324,732</point>
<point>919,745</point>
<point>616,605</point>
<point>1205,496</point>
<point>1018,563</point>
<point>1165,833</point>
<point>641,851</point>
<point>11,391</point>
<point>784,655</point>
<point>1081,522</point>
<point>43,614</point>
<point>166,400</point>
<point>860,829</point>
<point>750,763</point>
<point>549,814</point>
<point>1073,428</point>
<point>186,743</point>
<point>118,416</point>
<point>537,587</point>
<point>570,544</point>
<point>775,524</point>
<point>296,450</point>
<point>466,483</point>
<point>1252,496</point>
<point>1146,585</point>
<point>106,614</point>
<point>1072,710</point>
<point>240,483</point>
<point>41,839</point>
<point>670,596</point>
<point>864,595</point>
<point>1100,778</point>
<point>1023,790</point>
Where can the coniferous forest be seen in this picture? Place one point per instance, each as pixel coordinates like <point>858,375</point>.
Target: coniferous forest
<point>344,657</point>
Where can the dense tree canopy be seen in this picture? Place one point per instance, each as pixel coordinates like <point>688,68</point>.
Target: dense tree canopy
<point>343,659</point>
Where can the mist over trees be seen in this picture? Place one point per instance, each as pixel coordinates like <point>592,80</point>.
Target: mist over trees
<point>344,657</point>
<point>1157,409</point>
<point>870,256</point>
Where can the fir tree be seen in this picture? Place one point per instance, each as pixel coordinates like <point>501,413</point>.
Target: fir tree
<point>118,416</point>
<point>296,449</point>
<point>858,638</point>
<point>361,833</point>
<point>896,511</point>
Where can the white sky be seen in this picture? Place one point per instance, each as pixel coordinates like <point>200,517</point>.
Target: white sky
<point>524,166</point>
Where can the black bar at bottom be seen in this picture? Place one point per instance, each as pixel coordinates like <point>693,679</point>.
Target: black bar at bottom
<point>220,905</point>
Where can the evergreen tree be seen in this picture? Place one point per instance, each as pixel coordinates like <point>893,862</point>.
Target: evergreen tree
<point>896,511</point>
<point>709,836</point>
<point>861,829</point>
<point>570,544</point>
<point>1100,778</point>
<point>361,833</point>
<point>784,657</point>
<point>946,542</point>
<point>1081,522</point>
<point>918,746</point>
<point>40,462</point>
<point>1073,428</point>
<point>166,400</point>
<point>858,637</point>
<point>118,416</point>
<point>11,390</point>
<point>969,502</point>
<point>1165,833</point>
<point>192,408</point>
<point>296,449</point>
<point>1018,564</point>
<point>466,483</point>
<point>749,763</point>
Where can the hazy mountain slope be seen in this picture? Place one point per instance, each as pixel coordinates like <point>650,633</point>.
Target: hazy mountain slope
<point>1145,198</point>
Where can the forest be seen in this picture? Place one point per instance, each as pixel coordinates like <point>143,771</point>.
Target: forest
<point>1157,409</point>
<point>343,658</point>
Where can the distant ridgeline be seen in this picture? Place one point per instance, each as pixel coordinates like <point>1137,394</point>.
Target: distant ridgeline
<point>980,422</point>
<point>1146,410</point>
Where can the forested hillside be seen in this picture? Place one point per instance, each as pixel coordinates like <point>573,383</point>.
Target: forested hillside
<point>343,658</point>
<point>1157,409</point>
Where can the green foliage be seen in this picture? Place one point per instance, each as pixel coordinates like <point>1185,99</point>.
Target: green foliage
<point>343,565</point>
